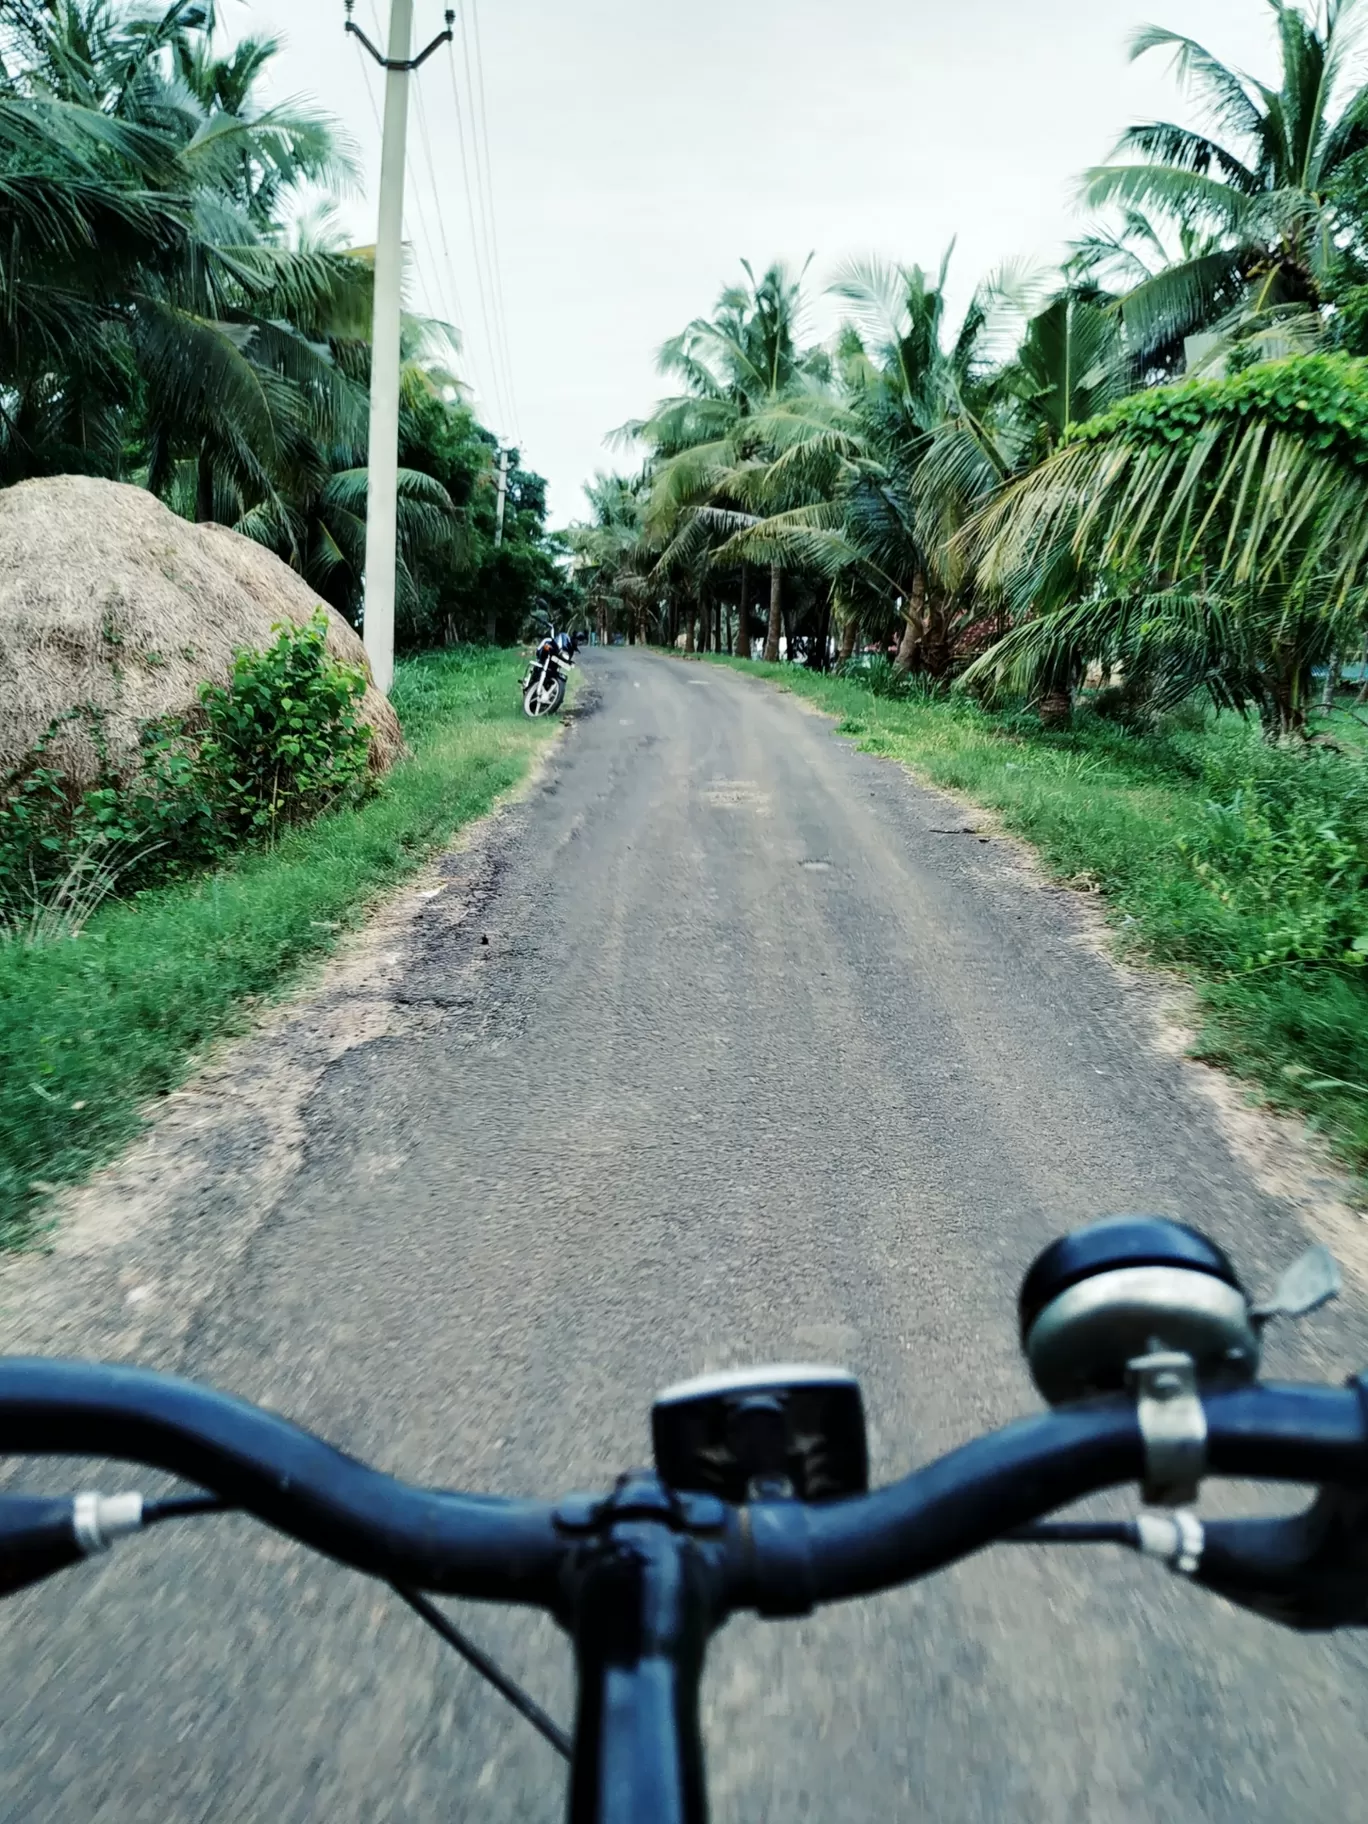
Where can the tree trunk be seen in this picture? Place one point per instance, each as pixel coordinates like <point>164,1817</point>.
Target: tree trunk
<point>689,631</point>
<point>790,630</point>
<point>1332,670</point>
<point>1055,706</point>
<point>824,636</point>
<point>913,625</point>
<point>204,489</point>
<point>937,646</point>
<point>848,633</point>
<point>771,654</point>
<point>743,647</point>
<point>1289,695</point>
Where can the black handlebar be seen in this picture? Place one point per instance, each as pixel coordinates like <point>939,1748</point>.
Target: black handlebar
<point>509,1551</point>
<point>989,1488</point>
<point>641,1577</point>
<point>781,1557</point>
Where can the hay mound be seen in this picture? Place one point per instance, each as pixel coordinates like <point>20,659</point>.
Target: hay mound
<point>109,598</point>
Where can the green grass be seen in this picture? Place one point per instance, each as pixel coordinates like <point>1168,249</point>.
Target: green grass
<point>1242,867</point>
<point>93,1027</point>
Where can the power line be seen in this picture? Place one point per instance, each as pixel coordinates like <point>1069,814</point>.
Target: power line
<point>441,227</point>
<point>366,83</point>
<point>479,134</point>
<point>470,213</point>
<point>500,395</point>
<point>492,216</point>
<point>428,291</point>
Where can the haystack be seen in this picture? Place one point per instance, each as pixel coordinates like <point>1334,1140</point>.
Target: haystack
<point>108,598</point>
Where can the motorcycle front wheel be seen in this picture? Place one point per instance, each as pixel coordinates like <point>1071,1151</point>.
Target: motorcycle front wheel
<point>544,696</point>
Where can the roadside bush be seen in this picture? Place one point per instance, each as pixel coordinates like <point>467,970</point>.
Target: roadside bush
<point>282,740</point>
<point>275,746</point>
<point>876,673</point>
<point>1286,855</point>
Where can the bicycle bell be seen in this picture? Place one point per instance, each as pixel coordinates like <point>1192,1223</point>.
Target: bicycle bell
<point>1095,1300</point>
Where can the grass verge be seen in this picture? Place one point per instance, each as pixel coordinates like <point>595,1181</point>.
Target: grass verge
<point>1243,868</point>
<point>93,1027</point>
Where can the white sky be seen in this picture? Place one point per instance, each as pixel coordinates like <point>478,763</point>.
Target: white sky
<point>641,148</point>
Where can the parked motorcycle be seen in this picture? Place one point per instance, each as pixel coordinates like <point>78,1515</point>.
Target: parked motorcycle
<point>543,685</point>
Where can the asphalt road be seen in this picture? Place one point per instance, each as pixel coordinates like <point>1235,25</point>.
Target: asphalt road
<point>757,1063</point>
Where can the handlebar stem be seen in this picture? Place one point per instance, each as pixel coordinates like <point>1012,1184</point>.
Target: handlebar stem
<point>644,1588</point>
<point>645,1605</point>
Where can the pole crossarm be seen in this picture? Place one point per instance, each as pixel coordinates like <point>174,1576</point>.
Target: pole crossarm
<point>404,64</point>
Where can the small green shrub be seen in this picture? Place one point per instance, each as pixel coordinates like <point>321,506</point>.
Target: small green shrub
<point>276,745</point>
<point>876,673</point>
<point>283,740</point>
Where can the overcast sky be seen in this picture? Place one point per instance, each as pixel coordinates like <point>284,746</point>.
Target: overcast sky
<point>639,149</point>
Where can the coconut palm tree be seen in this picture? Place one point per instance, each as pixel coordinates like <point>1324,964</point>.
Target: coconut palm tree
<point>1249,201</point>
<point>146,272</point>
<point>613,557</point>
<point>1211,536</point>
<point>736,367</point>
<point>928,427</point>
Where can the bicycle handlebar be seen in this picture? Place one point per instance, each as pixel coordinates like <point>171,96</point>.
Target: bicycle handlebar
<point>780,1557</point>
<point>454,1544</point>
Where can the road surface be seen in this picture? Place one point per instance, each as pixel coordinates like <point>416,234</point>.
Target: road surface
<point>764,1057</point>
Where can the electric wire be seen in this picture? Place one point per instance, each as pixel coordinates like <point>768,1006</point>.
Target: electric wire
<point>413,202</point>
<point>1076,1532</point>
<point>431,164</point>
<point>471,112</point>
<point>470,210</point>
<point>479,136</point>
<point>364,60</point>
<point>182,1507</point>
<point>492,216</point>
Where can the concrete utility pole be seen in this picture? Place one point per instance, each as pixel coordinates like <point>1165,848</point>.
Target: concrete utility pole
<point>382,491</point>
<point>491,625</point>
<point>503,496</point>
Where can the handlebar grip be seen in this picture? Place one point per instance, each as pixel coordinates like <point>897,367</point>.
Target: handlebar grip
<point>37,1538</point>
<point>1308,1571</point>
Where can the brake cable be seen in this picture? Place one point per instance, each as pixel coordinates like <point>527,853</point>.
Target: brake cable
<point>485,1666</point>
<point>180,1507</point>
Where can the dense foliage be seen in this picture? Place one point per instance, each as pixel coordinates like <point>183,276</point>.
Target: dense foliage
<point>175,312</point>
<point>1037,493</point>
<point>276,745</point>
